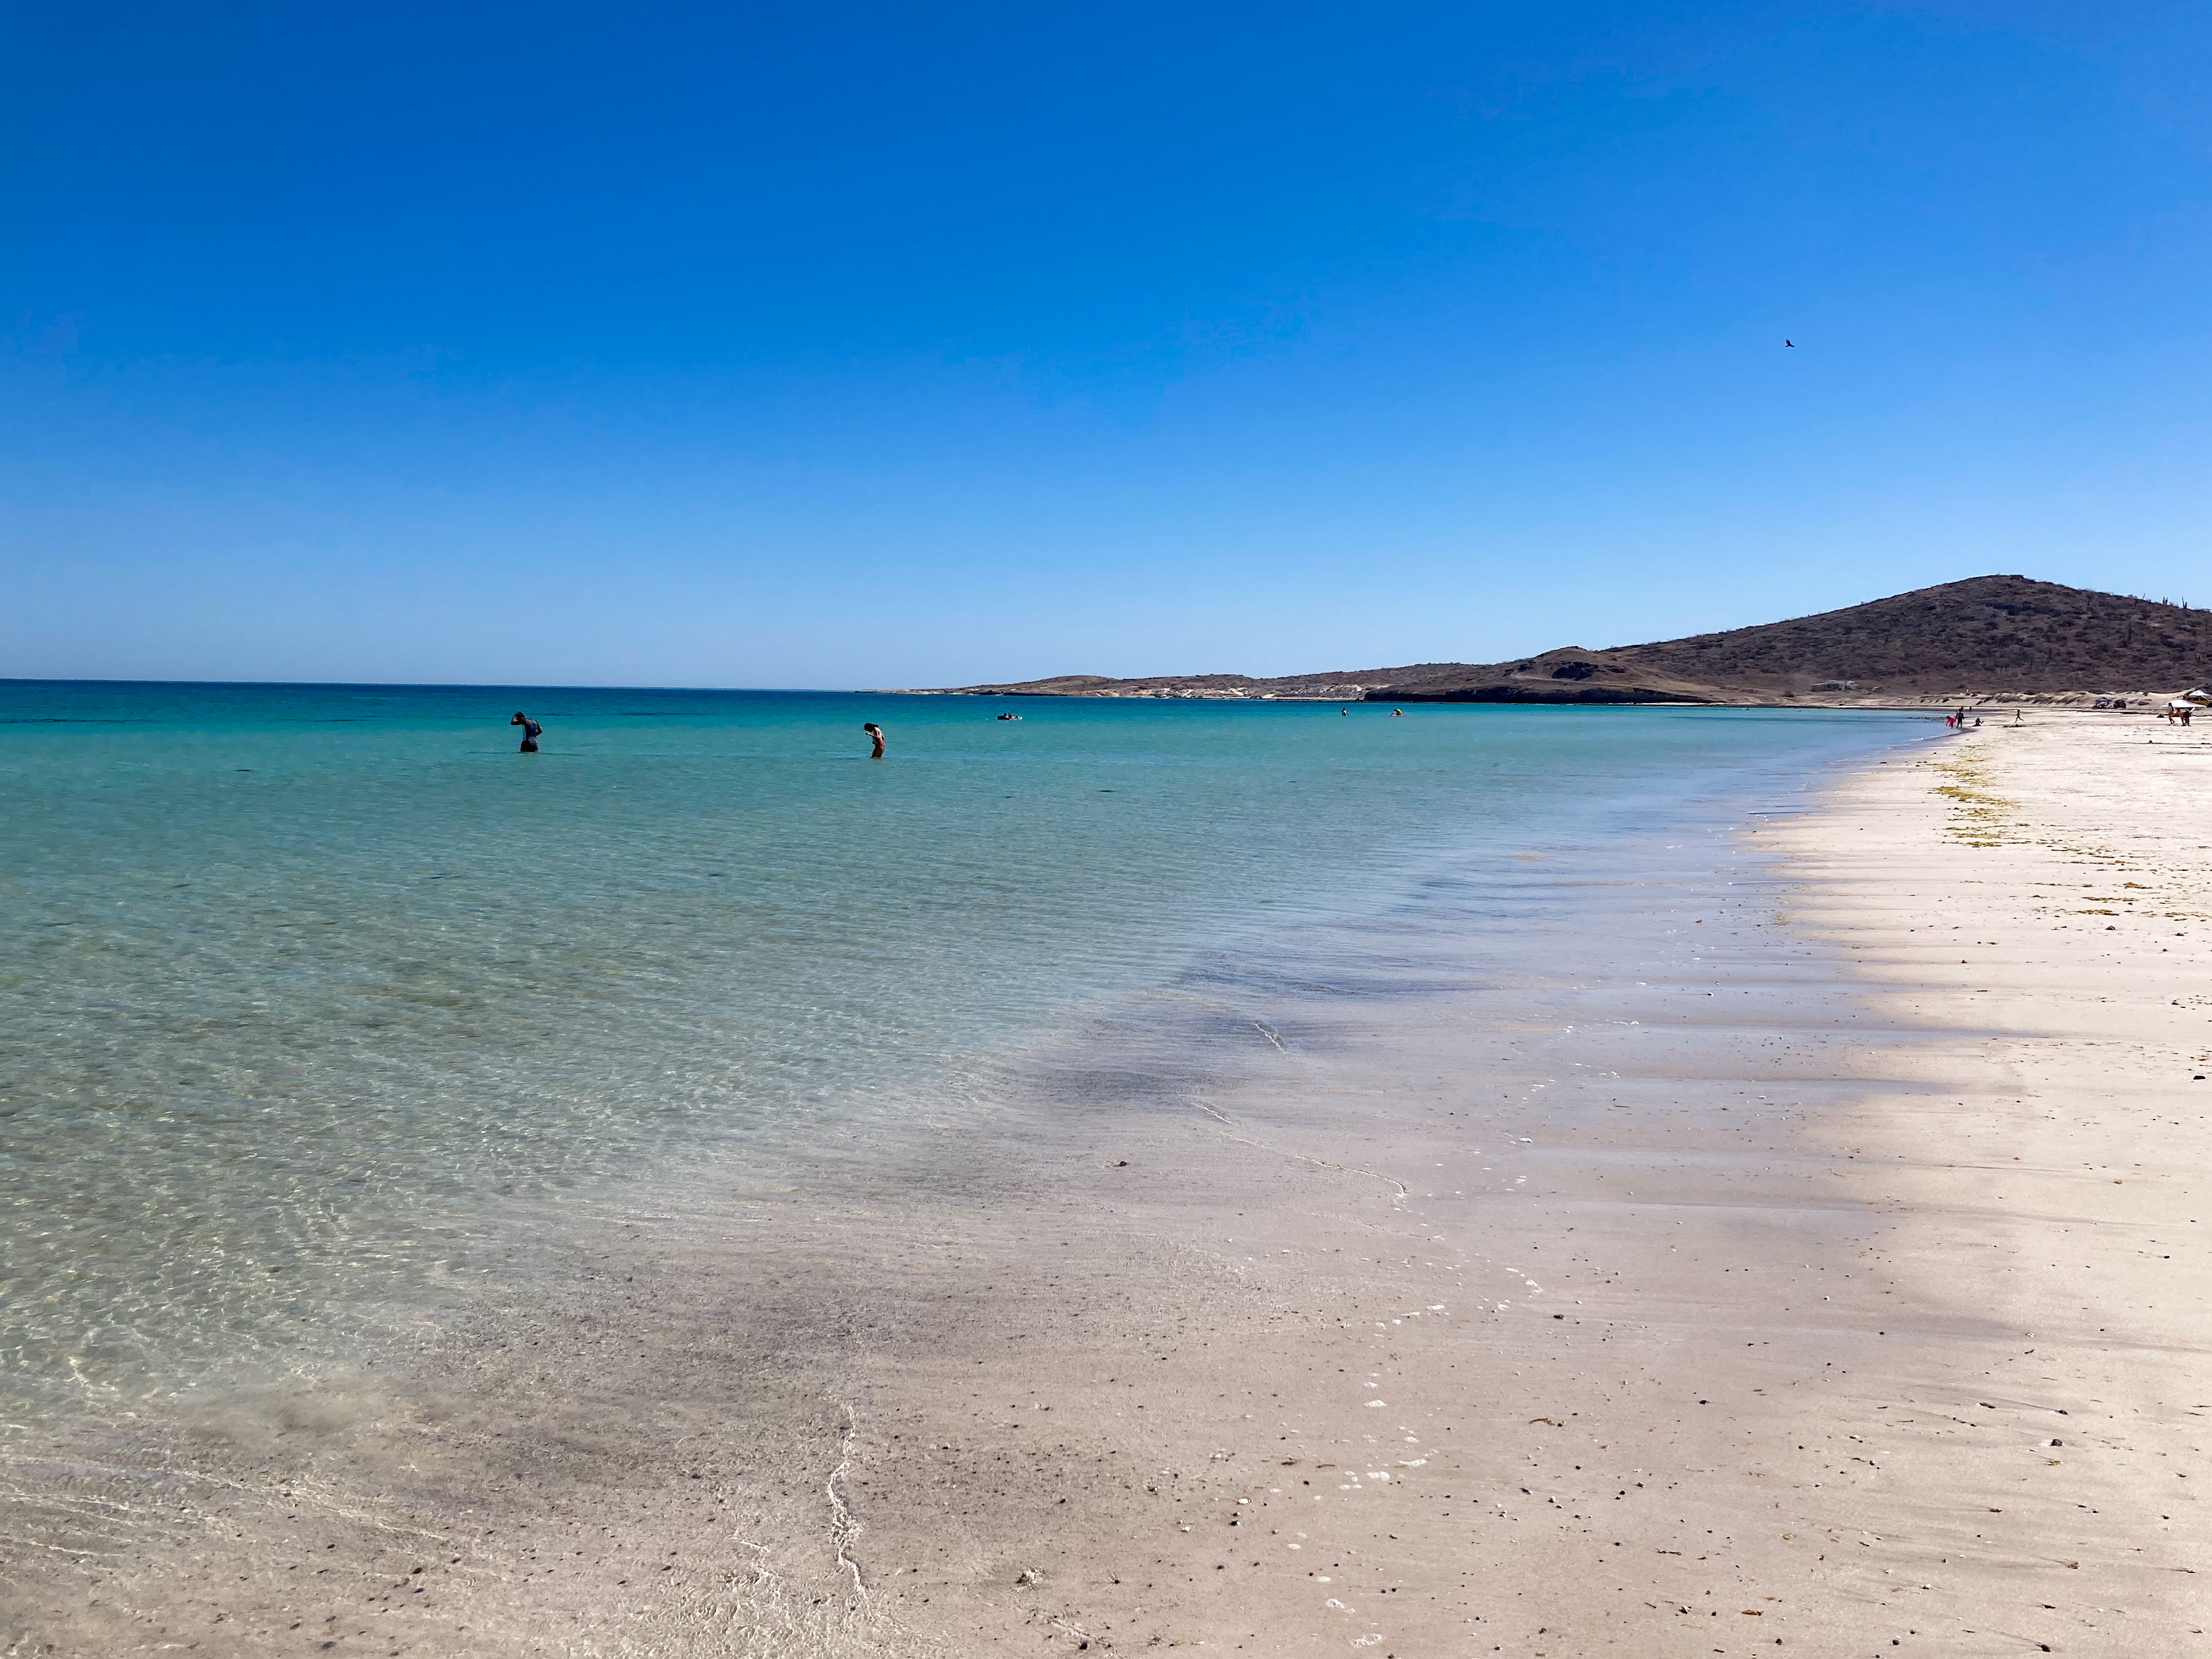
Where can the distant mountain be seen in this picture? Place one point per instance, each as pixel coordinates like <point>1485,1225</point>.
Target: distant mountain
<point>1986,635</point>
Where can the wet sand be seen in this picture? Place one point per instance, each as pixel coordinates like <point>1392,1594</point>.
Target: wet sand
<point>1811,1279</point>
<point>1697,1256</point>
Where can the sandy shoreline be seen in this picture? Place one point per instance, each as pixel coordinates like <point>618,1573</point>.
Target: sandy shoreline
<point>1862,1314</point>
<point>1678,1294</point>
<point>2042,1175</point>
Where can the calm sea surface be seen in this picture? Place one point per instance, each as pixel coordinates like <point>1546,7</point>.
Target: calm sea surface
<point>306,991</point>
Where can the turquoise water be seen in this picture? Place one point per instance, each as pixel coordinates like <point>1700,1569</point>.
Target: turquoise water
<point>308,992</point>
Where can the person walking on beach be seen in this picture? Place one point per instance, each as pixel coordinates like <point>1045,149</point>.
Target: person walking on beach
<point>531,732</point>
<point>876,736</point>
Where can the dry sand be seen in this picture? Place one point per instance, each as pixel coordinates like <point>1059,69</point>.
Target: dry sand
<point>1872,1297</point>
<point>1807,1257</point>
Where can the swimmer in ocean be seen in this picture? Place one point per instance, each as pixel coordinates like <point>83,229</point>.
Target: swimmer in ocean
<point>531,732</point>
<point>875,735</point>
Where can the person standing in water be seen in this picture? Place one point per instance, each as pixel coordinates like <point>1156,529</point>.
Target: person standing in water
<point>876,736</point>
<point>531,732</point>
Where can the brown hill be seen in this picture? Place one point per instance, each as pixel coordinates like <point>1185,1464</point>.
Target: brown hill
<point>1988,634</point>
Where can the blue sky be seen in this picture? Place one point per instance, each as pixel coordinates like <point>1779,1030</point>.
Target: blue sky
<point>872,346</point>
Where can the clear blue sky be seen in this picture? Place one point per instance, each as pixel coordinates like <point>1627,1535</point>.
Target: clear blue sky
<point>854,345</point>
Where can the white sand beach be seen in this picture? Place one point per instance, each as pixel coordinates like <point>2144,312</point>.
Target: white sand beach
<point>1810,1257</point>
<point>1868,1319</point>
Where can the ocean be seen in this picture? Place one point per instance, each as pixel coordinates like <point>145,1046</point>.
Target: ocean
<point>314,997</point>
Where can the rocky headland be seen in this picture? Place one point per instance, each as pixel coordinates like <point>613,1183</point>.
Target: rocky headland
<point>1986,639</point>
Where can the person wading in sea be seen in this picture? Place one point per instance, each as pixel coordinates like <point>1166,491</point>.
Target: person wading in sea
<point>875,735</point>
<point>531,732</point>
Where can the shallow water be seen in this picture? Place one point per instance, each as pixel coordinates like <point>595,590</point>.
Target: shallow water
<point>313,995</point>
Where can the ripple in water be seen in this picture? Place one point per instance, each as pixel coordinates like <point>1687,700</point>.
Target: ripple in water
<point>314,994</point>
